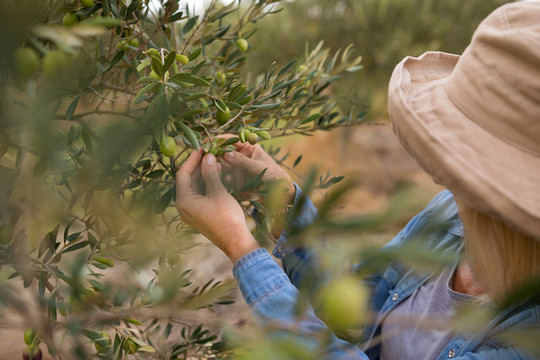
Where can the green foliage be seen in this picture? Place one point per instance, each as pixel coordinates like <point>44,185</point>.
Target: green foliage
<point>383,31</point>
<point>87,114</point>
<point>101,101</point>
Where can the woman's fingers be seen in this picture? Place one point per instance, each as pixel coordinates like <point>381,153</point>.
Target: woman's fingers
<point>228,180</point>
<point>186,176</point>
<point>239,160</point>
<point>197,183</point>
<point>240,146</point>
<point>226,167</point>
<point>226,136</point>
<point>211,175</point>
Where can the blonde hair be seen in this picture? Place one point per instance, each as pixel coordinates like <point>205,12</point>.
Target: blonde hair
<point>500,257</point>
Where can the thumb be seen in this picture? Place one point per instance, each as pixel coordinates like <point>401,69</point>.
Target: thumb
<point>210,174</point>
<point>251,166</point>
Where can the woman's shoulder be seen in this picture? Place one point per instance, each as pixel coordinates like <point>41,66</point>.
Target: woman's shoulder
<point>440,215</point>
<point>442,207</point>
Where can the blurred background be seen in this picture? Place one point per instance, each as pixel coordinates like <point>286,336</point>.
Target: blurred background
<point>383,32</point>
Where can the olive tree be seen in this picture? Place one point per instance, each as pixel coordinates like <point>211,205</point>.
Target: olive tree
<point>101,101</point>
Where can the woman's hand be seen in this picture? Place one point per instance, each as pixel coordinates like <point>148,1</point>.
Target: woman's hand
<point>213,211</point>
<point>249,161</point>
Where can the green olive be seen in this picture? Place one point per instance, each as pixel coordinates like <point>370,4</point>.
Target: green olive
<point>242,44</point>
<point>104,343</point>
<point>243,135</point>
<point>264,135</point>
<point>252,138</point>
<point>54,62</point>
<point>29,336</point>
<point>167,146</point>
<point>87,3</point>
<point>130,346</point>
<point>344,302</point>
<point>70,19</point>
<point>26,62</point>
<point>134,42</point>
<point>223,117</point>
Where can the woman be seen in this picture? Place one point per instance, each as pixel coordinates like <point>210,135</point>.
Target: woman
<point>473,123</point>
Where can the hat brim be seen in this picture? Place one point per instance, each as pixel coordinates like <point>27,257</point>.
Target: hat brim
<point>481,170</point>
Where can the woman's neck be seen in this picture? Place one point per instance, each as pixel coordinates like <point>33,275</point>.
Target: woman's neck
<point>464,282</point>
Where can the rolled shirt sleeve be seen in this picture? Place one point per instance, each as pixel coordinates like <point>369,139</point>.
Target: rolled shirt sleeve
<point>272,298</point>
<point>302,215</point>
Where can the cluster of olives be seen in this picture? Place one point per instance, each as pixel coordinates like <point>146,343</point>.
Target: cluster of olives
<point>27,62</point>
<point>251,135</point>
<point>71,18</point>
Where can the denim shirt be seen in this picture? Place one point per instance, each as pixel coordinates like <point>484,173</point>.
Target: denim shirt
<point>272,292</point>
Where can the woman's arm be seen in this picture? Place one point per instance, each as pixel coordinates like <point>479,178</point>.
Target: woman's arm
<point>215,213</point>
<point>204,204</point>
<point>249,161</point>
<point>273,299</point>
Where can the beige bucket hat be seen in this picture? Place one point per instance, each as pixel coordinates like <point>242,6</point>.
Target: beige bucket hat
<point>473,121</point>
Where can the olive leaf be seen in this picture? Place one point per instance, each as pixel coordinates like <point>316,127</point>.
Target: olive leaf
<point>48,243</point>
<point>190,135</point>
<point>190,79</point>
<point>253,182</point>
<point>164,200</point>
